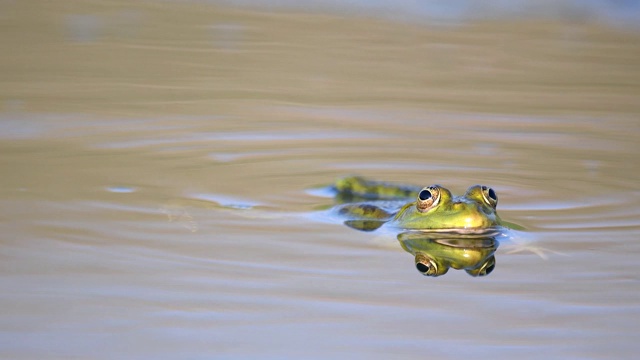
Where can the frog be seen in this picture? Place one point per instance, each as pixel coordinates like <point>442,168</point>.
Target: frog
<point>370,204</point>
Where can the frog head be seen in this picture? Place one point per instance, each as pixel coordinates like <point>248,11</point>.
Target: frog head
<point>435,209</point>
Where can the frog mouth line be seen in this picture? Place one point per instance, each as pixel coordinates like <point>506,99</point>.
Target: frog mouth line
<point>457,233</point>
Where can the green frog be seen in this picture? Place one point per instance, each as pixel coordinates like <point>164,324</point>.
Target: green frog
<point>433,208</point>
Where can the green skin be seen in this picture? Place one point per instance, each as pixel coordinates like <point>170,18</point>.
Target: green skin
<point>435,208</point>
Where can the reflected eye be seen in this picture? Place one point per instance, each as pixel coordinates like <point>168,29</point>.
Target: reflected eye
<point>427,267</point>
<point>428,198</point>
<point>423,268</point>
<point>489,196</point>
<point>489,269</point>
<point>485,269</point>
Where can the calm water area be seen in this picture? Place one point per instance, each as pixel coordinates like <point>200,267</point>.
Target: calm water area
<point>161,164</point>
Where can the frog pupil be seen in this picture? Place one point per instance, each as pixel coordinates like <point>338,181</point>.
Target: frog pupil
<point>489,269</point>
<point>423,268</point>
<point>425,195</point>
<point>492,194</point>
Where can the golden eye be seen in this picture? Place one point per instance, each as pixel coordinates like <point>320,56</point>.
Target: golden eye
<point>426,266</point>
<point>486,268</point>
<point>428,198</point>
<point>489,196</point>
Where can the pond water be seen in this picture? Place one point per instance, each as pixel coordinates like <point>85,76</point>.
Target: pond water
<point>160,165</point>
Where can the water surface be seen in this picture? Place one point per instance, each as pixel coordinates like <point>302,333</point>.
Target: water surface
<point>157,159</point>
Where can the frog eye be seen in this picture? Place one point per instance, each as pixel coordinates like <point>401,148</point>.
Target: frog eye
<point>489,196</point>
<point>485,269</point>
<point>428,198</point>
<point>427,267</point>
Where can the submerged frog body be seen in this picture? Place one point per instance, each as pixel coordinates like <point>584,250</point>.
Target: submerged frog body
<point>433,208</point>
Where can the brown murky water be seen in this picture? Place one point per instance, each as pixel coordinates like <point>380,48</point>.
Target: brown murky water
<point>114,114</point>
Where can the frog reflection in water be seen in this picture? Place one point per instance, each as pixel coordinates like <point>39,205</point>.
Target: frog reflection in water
<point>435,253</point>
<point>441,230</point>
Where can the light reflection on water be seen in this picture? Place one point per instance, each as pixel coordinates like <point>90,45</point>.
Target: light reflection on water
<point>160,184</point>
